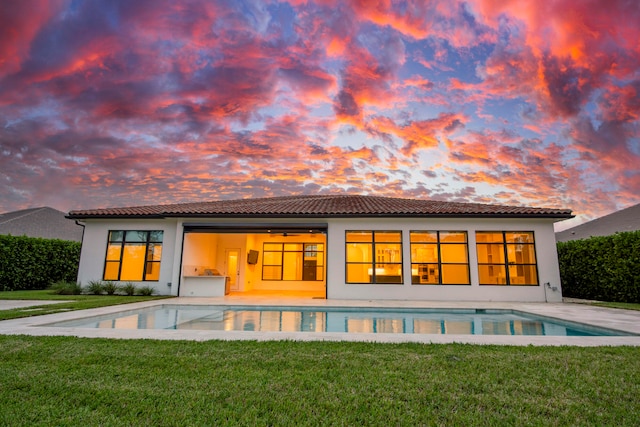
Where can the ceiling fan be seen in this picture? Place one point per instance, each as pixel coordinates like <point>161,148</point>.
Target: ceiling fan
<point>285,234</point>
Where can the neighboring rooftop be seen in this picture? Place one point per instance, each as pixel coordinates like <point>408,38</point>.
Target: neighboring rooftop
<point>323,206</point>
<point>623,220</point>
<point>43,222</point>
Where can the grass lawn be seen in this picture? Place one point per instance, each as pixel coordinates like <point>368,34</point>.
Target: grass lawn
<point>625,305</point>
<point>80,381</point>
<point>78,302</point>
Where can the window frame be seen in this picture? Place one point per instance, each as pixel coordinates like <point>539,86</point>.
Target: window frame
<point>305,249</point>
<point>439,261</point>
<point>149,262</point>
<point>507,264</point>
<point>374,262</point>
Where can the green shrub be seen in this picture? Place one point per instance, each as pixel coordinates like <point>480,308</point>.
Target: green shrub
<point>128,289</point>
<point>602,268</point>
<point>110,287</point>
<point>62,287</point>
<point>32,263</point>
<point>146,291</point>
<point>95,287</point>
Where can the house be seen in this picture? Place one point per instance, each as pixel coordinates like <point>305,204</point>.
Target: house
<point>43,222</point>
<point>617,222</point>
<point>328,246</point>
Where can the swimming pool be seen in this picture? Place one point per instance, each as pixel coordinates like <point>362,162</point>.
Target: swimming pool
<point>339,319</point>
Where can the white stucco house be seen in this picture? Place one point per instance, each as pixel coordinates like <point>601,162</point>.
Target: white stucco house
<point>328,246</point>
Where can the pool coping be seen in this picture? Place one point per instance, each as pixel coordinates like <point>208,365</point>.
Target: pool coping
<point>610,318</point>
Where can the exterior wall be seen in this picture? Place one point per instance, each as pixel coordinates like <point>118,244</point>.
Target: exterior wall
<point>545,244</point>
<point>94,249</point>
<point>96,234</point>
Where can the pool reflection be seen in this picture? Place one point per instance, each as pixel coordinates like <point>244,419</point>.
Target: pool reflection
<point>263,319</point>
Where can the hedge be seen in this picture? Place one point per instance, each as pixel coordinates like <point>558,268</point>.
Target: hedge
<point>34,263</point>
<point>602,268</point>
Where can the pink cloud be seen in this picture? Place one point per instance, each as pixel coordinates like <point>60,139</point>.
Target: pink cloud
<point>20,23</point>
<point>164,101</point>
<point>561,50</point>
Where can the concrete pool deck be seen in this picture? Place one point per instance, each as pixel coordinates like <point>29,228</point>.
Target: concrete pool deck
<point>618,319</point>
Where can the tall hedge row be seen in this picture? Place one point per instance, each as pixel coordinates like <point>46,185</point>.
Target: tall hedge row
<point>33,263</point>
<point>602,268</point>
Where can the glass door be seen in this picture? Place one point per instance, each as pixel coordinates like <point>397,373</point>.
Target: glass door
<point>232,267</point>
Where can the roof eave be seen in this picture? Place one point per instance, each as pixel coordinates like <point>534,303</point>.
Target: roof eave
<point>324,215</point>
<point>112,216</point>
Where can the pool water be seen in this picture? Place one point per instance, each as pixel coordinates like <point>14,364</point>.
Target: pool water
<point>339,319</point>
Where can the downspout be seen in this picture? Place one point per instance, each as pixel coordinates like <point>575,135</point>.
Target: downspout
<point>81,244</point>
<point>181,260</point>
<point>81,225</point>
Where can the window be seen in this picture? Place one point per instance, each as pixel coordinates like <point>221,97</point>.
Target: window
<point>374,256</point>
<point>133,255</point>
<point>293,261</point>
<point>439,258</point>
<point>506,258</point>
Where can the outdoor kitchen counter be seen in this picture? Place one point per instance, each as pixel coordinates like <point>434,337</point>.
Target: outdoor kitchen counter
<point>204,286</point>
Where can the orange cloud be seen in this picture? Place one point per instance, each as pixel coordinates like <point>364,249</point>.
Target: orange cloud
<point>419,134</point>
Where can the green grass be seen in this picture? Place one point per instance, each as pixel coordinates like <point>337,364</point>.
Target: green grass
<point>79,381</point>
<point>77,302</point>
<point>624,305</point>
<point>44,294</point>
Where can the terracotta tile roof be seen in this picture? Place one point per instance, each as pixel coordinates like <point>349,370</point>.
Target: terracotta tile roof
<point>322,206</point>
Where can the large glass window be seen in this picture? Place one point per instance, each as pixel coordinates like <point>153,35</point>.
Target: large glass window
<point>439,258</point>
<point>133,255</point>
<point>374,257</point>
<point>293,261</point>
<point>506,258</point>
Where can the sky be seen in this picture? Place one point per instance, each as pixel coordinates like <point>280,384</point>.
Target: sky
<point>107,103</point>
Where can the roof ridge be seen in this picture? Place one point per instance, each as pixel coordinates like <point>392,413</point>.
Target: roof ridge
<point>31,212</point>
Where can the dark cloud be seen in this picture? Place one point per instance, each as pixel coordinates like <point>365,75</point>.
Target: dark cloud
<point>569,85</point>
<point>318,151</point>
<point>346,105</point>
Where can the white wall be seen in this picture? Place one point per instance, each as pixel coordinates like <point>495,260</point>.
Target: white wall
<point>96,235</point>
<point>94,249</point>
<point>545,244</point>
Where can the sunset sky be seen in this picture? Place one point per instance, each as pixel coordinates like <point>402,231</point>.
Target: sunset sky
<point>122,103</point>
